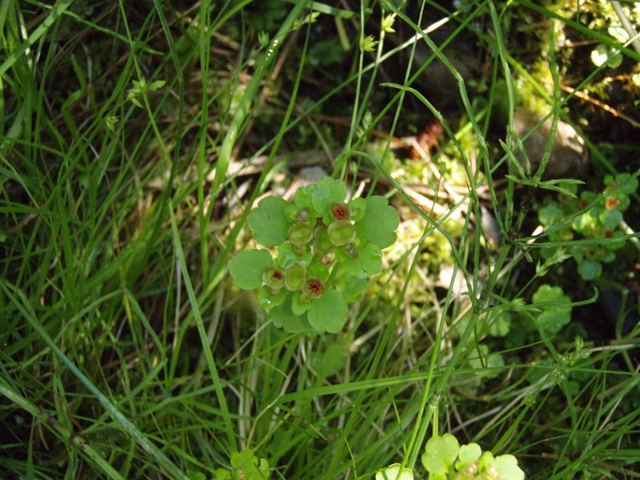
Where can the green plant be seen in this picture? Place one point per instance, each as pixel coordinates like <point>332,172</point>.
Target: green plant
<point>316,236</point>
<point>594,217</point>
<point>445,458</point>
<point>395,472</point>
<point>246,466</point>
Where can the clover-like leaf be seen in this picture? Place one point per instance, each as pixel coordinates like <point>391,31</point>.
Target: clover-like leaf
<point>610,219</point>
<point>328,312</point>
<point>298,307</point>
<point>358,208</point>
<point>248,266</point>
<point>469,453</point>
<point>328,191</point>
<point>392,472</point>
<point>302,197</point>
<point>500,324</point>
<point>379,223</point>
<point>268,300</point>
<point>268,222</point>
<point>249,467</point>
<point>553,317</point>
<point>283,317</point>
<point>590,269</point>
<point>507,466</point>
<point>220,474</point>
<point>319,270</point>
<point>550,214</point>
<point>440,453</point>
<point>486,464</point>
<point>368,262</point>
<point>287,255</point>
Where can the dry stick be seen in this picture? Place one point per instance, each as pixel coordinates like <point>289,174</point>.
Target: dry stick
<point>600,104</point>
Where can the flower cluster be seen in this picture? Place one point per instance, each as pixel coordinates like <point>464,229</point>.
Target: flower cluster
<point>602,220</point>
<point>316,235</point>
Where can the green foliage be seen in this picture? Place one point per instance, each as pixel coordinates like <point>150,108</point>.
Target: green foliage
<point>124,356</point>
<point>594,217</point>
<point>140,87</point>
<point>554,314</point>
<point>268,222</point>
<point>246,466</point>
<point>368,43</point>
<point>318,235</point>
<point>444,459</point>
<point>248,268</point>
<point>394,472</point>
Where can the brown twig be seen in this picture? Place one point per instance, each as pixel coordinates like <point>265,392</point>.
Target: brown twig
<point>600,104</point>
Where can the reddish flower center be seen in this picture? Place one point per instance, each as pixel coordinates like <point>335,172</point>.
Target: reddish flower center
<point>315,287</point>
<point>277,275</point>
<point>340,213</point>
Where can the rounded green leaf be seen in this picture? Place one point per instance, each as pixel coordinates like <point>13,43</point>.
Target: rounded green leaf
<point>318,270</point>
<point>328,191</point>
<point>248,266</point>
<point>358,206</point>
<point>507,466</point>
<point>470,453</point>
<point>299,307</point>
<point>500,324</point>
<point>367,263</point>
<point>553,317</point>
<point>268,222</point>
<point>328,312</point>
<point>392,472</point>
<point>440,453</point>
<point>610,219</point>
<point>379,223</point>
<point>287,255</point>
<point>302,197</point>
<point>269,299</point>
<point>589,269</point>
<point>283,317</point>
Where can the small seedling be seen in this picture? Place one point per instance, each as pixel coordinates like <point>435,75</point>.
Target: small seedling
<point>446,459</point>
<point>246,466</point>
<point>324,244</point>
<point>140,87</point>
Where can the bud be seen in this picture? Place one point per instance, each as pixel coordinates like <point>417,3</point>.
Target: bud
<point>340,211</point>
<point>313,287</point>
<point>341,232</point>
<point>273,277</point>
<point>321,239</point>
<point>300,233</point>
<point>351,250</point>
<point>294,276</point>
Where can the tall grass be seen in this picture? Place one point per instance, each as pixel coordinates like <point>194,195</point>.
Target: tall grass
<point>128,353</point>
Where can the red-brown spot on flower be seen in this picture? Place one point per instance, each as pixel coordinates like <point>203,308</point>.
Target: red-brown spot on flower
<point>611,203</point>
<point>340,213</point>
<point>277,275</point>
<point>608,234</point>
<point>313,288</point>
